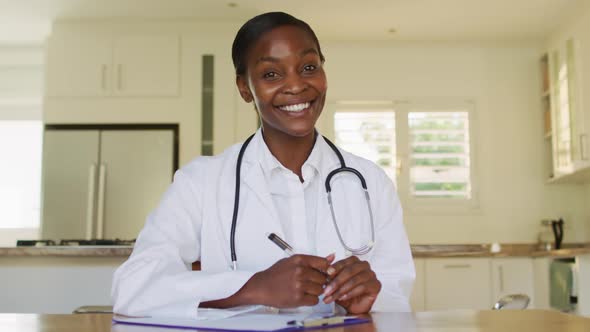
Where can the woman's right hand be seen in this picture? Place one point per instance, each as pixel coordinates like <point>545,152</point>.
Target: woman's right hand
<point>291,282</point>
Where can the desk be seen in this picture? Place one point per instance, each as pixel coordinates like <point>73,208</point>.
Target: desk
<point>464,321</point>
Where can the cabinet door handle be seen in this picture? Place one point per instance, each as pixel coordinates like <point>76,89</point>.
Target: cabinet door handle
<point>501,277</point>
<point>101,194</point>
<point>103,77</point>
<point>457,266</point>
<point>90,201</point>
<point>119,77</point>
<point>583,139</point>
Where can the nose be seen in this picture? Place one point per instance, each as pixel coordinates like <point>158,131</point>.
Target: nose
<point>294,84</point>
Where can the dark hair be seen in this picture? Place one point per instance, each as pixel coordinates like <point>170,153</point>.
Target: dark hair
<point>252,30</point>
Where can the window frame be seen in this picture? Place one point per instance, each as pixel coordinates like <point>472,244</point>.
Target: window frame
<point>402,108</point>
<point>444,205</point>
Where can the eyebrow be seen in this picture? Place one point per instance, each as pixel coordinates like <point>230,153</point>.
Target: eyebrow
<point>275,60</point>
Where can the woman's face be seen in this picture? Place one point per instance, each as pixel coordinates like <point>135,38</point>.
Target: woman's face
<point>285,79</point>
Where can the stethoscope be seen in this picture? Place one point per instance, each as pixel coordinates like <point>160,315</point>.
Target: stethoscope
<point>349,250</point>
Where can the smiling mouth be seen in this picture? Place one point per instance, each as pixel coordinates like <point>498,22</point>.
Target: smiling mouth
<point>294,108</point>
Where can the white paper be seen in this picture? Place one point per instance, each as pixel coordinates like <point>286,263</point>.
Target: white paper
<point>246,322</point>
<point>212,314</point>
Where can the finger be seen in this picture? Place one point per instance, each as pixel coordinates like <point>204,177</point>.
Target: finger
<point>307,273</point>
<point>360,290</point>
<point>335,268</point>
<point>310,288</point>
<point>319,263</point>
<point>330,258</point>
<point>345,275</point>
<point>301,299</point>
<point>364,280</point>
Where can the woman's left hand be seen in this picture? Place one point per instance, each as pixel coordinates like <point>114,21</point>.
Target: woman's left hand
<point>353,285</point>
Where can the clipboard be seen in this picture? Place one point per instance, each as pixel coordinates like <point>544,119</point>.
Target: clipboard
<point>243,323</point>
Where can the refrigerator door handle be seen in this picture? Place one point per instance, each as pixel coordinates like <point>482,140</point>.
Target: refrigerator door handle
<point>90,200</point>
<point>100,212</point>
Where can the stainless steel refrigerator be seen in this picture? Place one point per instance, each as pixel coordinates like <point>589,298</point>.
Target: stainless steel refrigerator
<point>102,183</point>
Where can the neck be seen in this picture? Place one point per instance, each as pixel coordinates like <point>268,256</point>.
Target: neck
<point>290,151</point>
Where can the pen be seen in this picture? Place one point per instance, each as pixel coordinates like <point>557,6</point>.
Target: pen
<point>281,244</point>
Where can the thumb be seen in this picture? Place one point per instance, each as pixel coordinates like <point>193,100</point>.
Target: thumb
<point>331,258</point>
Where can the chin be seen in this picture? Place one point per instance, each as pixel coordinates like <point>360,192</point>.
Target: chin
<point>301,131</point>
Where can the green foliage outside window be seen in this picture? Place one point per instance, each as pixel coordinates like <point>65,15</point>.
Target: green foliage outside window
<point>438,149</point>
<point>428,137</point>
<point>440,186</point>
<point>438,162</point>
<point>437,124</point>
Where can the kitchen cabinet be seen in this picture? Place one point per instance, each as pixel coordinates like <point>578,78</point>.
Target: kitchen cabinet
<point>418,296</point>
<point>457,283</point>
<point>565,136</point>
<point>77,65</point>
<point>96,64</point>
<point>513,276</point>
<point>103,183</point>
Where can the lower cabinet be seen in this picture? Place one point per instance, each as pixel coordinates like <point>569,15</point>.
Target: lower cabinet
<point>471,283</point>
<point>513,276</point>
<point>418,297</point>
<point>458,283</point>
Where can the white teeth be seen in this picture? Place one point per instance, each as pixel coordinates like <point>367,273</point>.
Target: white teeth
<point>295,108</point>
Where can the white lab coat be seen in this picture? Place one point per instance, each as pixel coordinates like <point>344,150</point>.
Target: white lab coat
<point>193,221</point>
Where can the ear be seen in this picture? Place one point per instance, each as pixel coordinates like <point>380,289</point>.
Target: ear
<point>244,89</point>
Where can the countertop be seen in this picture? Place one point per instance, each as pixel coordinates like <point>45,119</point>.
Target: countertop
<point>418,250</point>
<point>464,320</point>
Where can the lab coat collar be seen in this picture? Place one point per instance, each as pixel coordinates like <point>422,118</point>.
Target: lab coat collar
<point>270,164</point>
<point>322,157</point>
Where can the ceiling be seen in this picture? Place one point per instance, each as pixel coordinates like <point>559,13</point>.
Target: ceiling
<point>433,20</point>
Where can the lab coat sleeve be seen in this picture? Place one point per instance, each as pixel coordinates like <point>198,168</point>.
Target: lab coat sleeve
<point>392,257</point>
<point>157,279</point>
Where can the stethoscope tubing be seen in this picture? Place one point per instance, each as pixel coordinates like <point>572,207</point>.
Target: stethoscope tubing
<point>343,168</point>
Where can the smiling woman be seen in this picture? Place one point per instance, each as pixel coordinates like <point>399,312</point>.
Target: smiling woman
<point>355,256</point>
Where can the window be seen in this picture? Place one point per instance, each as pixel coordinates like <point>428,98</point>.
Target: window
<point>368,134</point>
<point>439,154</point>
<point>20,173</point>
<point>426,149</point>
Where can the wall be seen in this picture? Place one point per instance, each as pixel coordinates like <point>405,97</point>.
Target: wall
<point>503,80</point>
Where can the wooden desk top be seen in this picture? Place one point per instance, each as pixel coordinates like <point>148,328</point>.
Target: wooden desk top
<point>464,321</point>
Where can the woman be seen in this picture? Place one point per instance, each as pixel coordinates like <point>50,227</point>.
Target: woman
<point>282,169</point>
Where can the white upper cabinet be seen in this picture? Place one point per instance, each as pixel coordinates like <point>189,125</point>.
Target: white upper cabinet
<point>146,65</point>
<point>93,64</point>
<point>78,65</point>
<point>566,138</point>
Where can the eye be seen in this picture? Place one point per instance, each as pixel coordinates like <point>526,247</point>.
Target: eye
<point>309,68</point>
<point>270,75</point>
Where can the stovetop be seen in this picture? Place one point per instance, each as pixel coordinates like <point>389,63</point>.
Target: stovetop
<point>74,242</point>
